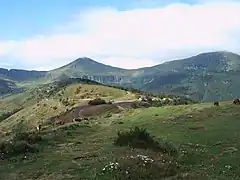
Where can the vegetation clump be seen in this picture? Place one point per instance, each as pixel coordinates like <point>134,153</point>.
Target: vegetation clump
<point>236,101</point>
<point>78,90</point>
<point>65,102</point>
<point>97,101</point>
<point>216,103</point>
<point>14,148</point>
<point>21,142</point>
<point>140,167</point>
<point>8,114</point>
<point>140,138</point>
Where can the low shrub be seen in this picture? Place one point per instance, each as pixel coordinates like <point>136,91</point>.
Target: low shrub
<point>135,105</point>
<point>140,167</point>
<point>141,104</point>
<point>97,101</point>
<point>141,139</point>
<point>14,148</point>
<point>65,102</point>
<point>55,107</point>
<point>78,90</point>
<point>236,101</point>
<point>20,143</point>
<point>31,138</point>
<point>216,103</point>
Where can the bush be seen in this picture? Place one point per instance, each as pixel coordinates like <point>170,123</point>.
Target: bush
<point>236,101</point>
<point>216,103</point>
<point>140,167</point>
<point>31,138</point>
<point>141,139</point>
<point>20,143</point>
<point>97,101</point>
<point>15,148</point>
<point>55,107</point>
<point>135,105</point>
<point>141,104</point>
<point>78,90</point>
<point>65,102</point>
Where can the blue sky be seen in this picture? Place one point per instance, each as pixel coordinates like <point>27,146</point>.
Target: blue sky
<point>44,34</point>
<point>22,18</point>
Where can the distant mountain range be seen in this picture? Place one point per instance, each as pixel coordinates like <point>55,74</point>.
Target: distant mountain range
<point>204,77</point>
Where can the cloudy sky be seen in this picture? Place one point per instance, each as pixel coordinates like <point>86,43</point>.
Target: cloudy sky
<point>44,34</point>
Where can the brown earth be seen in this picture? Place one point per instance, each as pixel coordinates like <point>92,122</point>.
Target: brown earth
<point>88,111</point>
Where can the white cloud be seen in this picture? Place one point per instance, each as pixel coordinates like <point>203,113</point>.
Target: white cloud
<point>134,38</point>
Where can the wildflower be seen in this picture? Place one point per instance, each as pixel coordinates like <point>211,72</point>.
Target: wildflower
<point>228,167</point>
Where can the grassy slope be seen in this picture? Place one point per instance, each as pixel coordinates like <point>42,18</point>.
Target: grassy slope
<point>94,143</point>
<point>38,104</point>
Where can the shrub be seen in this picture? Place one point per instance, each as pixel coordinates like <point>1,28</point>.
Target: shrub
<point>140,167</point>
<point>141,139</point>
<point>78,90</point>
<point>14,148</point>
<point>236,101</point>
<point>216,103</point>
<point>31,138</point>
<point>97,101</point>
<point>135,105</point>
<point>55,107</point>
<point>141,104</point>
<point>65,102</point>
<point>21,142</point>
<point>145,104</point>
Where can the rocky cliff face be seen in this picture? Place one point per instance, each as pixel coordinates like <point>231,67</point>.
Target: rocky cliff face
<point>21,75</point>
<point>108,79</point>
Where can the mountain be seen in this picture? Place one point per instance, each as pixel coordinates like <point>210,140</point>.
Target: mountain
<point>204,77</point>
<point>87,68</point>
<point>21,75</point>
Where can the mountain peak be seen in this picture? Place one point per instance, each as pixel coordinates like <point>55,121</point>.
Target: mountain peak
<point>219,53</point>
<point>85,60</point>
<point>86,65</point>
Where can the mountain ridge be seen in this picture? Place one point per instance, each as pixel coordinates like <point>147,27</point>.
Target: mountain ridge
<point>87,59</point>
<point>190,76</point>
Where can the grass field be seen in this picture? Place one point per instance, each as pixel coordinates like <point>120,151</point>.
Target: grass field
<point>206,136</point>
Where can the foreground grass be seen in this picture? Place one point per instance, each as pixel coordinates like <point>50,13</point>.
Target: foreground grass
<point>207,138</point>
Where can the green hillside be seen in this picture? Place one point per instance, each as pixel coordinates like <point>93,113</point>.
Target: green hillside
<point>186,142</point>
<point>206,77</point>
<point>164,137</point>
<point>42,102</point>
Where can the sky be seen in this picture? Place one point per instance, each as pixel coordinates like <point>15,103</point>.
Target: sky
<point>46,34</point>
